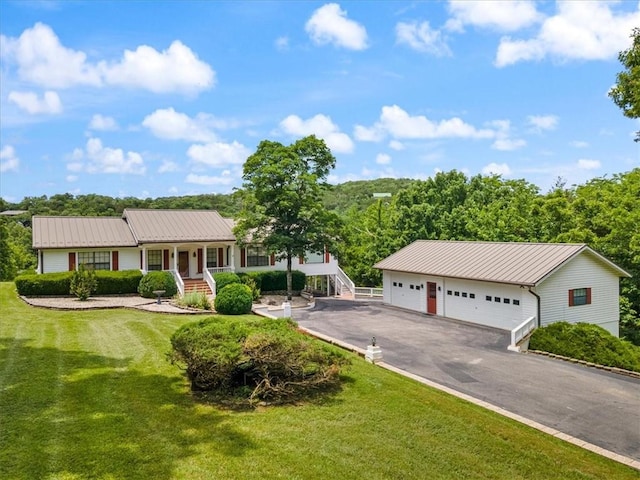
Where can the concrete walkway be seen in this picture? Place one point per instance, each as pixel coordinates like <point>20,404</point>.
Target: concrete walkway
<point>595,407</point>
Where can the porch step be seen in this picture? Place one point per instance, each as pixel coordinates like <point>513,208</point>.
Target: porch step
<point>199,286</point>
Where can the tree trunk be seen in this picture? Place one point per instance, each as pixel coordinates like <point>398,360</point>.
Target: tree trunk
<point>289,280</point>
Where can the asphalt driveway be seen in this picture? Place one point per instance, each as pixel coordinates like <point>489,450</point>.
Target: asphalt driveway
<point>596,406</point>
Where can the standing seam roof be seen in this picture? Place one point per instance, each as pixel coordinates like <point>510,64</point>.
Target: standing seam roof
<point>512,262</point>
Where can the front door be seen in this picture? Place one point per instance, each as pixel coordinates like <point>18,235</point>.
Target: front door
<point>183,264</point>
<point>431,298</point>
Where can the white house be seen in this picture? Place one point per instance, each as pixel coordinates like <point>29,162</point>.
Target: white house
<point>192,244</point>
<point>503,284</point>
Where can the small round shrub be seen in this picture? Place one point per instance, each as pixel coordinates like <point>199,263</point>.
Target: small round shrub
<point>223,279</point>
<point>157,281</point>
<point>234,299</point>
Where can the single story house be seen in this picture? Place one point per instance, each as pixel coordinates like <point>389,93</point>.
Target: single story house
<point>502,285</point>
<point>192,244</point>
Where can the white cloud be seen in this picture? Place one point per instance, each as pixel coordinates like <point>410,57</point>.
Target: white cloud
<point>282,43</point>
<point>400,125</point>
<point>496,169</point>
<point>580,30</point>
<point>422,37</point>
<point>176,69</point>
<point>72,178</point>
<point>396,145</point>
<point>493,14</point>
<point>28,101</point>
<point>508,144</point>
<point>101,123</point>
<point>586,164</point>
<point>503,134</point>
<point>323,127</point>
<point>366,134</point>
<point>218,154</point>
<point>208,179</point>
<point>383,159</point>
<point>168,166</point>
<point>9,161</point>
<point>329,25</point>
<point>100,159</point>
<point>542,122</point>
<point>41,59</point>
<point>171,125</point>
<point>579,144</point>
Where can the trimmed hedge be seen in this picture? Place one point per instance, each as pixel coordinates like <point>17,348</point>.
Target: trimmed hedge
<point>234,299</point>
<point>120,282</point>
<point>223,279</point>
<point>59,283</point>
<point>276,280</point>
<point>588,342</point>
<point>159,280</point>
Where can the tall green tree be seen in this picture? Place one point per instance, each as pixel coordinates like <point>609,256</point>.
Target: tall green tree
<point>7,263</point>
<point>626,92</point>
<point>283,189</point>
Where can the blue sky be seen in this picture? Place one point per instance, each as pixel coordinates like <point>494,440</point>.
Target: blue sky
<point>163,98</point>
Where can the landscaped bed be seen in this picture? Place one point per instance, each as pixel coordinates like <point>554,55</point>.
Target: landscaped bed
<point>90,394</point>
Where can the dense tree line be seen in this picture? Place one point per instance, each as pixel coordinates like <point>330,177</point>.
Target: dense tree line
<point>603,213</point>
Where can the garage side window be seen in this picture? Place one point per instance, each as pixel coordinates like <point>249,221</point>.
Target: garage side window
<point>579,296</point>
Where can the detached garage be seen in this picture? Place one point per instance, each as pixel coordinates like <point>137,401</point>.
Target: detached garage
<point>503,284</point>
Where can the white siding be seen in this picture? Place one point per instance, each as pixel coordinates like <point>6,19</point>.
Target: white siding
<point>129,259</point>
<point>55,261</point>
<point>58,260</point>
<point>581,272</point>
<point>403,295</point>
<point>479,310</point>
<point>309,269</point>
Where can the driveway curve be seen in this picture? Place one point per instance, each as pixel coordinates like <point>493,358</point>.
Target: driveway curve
<point>596,406</point>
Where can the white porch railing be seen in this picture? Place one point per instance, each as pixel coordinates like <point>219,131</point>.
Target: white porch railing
<point>179,281</point>
<point>342,279</point>
<point>213,270</point>
<point>208,277</point>
<point>368,292</point>
<point>521,331</point>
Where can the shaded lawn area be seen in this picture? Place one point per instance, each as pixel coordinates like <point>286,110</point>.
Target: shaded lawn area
<point>91,395</point>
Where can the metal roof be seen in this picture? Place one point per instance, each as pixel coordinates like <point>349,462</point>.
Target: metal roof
<point>158,226</point>
<point>510,262</point>
<point>81,232</point>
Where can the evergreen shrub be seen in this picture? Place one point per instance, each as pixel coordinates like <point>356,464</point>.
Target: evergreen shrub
<point>223,279</point>
<point>234,299</point>
<point>58,283</point>
<point>276,280</point>
<point>588,342</point>
<point>120,282</point>
<point>158,280</point>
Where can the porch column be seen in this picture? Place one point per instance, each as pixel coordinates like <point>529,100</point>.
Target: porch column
<point>175,258</point>
<point>144,259</point>
<point>204,259</point>
<point>328,286</point>
<point>233,258</point>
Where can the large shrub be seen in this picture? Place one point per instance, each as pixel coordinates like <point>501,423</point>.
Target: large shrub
<point>223,279</point>
<point>234,299</point>
<point>120,282</point>
<point>276,280</point>
<point>259,360</point>
<point>588,342</point>
<point>157,281</point>
<point>108,283</point>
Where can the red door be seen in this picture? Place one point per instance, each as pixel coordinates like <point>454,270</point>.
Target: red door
<point>431,298</point>
<point>183,264</point>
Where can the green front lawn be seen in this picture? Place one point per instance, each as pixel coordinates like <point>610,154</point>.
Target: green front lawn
<point>91,395</point>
